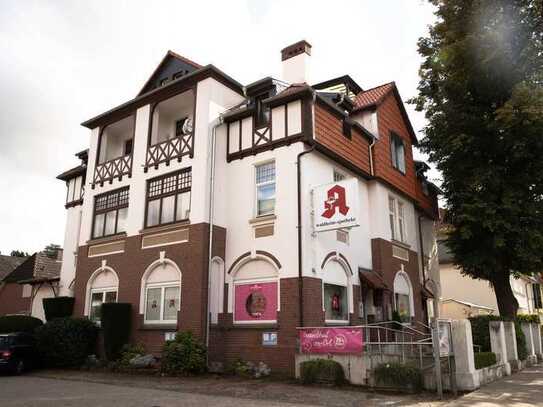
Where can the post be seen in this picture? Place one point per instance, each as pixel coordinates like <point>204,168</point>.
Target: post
<point>530,345</point>
<point>437,358</point>
<point>536,330</point>
<point>466,375</point>
<point>511,344</point>
<point>497,344</point>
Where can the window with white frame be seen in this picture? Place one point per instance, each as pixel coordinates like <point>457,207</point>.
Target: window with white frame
<point>335,294</point>
<point>265,189</point>
<point>102,287</point>
<point>403,297</point>
<point>162,294</point>
<point>397,151</point>
<point>338,176</point>
<point>396,215</point>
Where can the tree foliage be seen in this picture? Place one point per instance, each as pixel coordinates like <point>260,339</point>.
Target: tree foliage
<point>19,253</point>
<point>481,88</point>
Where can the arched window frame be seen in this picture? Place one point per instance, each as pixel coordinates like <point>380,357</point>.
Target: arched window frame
<point>90,291</point>
<point>233,281</point>
<point>144,288</point>
<point>335,257</point>
<point>402,274</point>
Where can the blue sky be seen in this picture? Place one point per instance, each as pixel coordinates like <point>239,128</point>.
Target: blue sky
<point>62,62</point>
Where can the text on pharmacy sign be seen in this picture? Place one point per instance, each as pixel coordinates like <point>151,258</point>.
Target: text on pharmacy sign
<point>336,205</point>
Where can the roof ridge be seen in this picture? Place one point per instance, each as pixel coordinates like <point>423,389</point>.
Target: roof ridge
<point>184,59</point>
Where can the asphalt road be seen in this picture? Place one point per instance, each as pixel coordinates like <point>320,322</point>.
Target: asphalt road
<point>32,391</point>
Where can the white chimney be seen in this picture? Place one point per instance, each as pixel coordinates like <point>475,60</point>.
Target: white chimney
<point>295,62</point>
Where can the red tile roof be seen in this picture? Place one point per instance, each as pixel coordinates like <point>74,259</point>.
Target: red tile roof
<point>372,97</point>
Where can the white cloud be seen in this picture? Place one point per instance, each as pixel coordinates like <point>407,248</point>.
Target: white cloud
<point>63,62</point>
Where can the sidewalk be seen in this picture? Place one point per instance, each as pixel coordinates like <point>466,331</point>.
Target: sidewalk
<point>519,390</point>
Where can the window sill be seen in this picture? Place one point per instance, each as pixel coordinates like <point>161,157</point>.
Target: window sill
<point>398,170</point>
<point>158,327</point>
<point>263,219</point>
<point>163,228</point>
<point>107,239</point>
<point>336,323</point>
<point>401,244</point>
<point>255,325</point>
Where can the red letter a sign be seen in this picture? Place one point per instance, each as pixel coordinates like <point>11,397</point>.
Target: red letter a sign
<point>336,199</point>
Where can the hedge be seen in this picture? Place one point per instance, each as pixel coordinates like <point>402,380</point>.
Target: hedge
<point>322,371</point>
<point>116,321</point>
<point>18,323</point>
<point>398,375</point>
<point>528,318</point>
<point>484,359</point>
<point>481,333</point>
<point>58,307</point>
<point>66,342</point>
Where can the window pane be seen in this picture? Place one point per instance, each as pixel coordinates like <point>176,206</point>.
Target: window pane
<point>153,208</point>
<point>335,303</point>
<point>121,220</point>
<point>96,303</point>
<point>183,206</point>
<point>171,303</point>
<point>400,152</point>
<point>152,308</point>
<point>111,296</point>
<point>392,217</point>
<point>98,225</point>
<point>403,306</point>
<point>265,173</point>
<point>393,152</point>
<point>167,209</point>
<point>110,222</point>
<point>401,222</point>
<point>266,199</point>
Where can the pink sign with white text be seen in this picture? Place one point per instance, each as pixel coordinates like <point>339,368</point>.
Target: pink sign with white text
<point>255,302</point>
<point>331,340</point>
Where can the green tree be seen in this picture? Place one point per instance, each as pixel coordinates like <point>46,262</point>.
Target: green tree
<point>19,253</point>
<point>481,89</point>
<point>51,250</point>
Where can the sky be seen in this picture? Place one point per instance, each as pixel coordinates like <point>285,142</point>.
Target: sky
<point>62,62</point>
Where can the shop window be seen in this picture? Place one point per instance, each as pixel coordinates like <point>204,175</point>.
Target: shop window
<point>336,293</point>
<point>403,297</point>
<point>256,293</point>
<point>162,294</point>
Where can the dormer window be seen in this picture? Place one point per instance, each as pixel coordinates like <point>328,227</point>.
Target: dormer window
<point>179,74</point>
<point>164,81</point>
<point>397,151</point>
<point>262,113</point>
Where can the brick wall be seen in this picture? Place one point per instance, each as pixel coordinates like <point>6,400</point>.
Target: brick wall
<point>192,259</point>
<point>387,265</point>
<point>329,133</point>
<point>12,301</point>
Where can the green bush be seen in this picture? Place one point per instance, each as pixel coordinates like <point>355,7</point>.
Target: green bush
<point>528,318</point>
<point>322,371</point>
<point>58,307</point>
<point>484,359</point>
<point>116,321</point>
<point>480,329</point>
<point>398,375</point>
<point>18,323</point>
<point>66,342</point>
<point>522,348</point>
<point>184,355</point>
<point>129,352</point>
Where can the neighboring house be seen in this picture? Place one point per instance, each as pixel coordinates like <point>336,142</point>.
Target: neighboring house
<point>463,296</point>
<point>8,264</point>
<point>196,148</point>
<point>36,278</point>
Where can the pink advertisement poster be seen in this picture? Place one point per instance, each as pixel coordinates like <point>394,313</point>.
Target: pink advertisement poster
<point>331,340</point>
<point>255,302</point>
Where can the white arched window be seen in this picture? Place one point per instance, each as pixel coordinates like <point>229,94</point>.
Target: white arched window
<point>102,287</point>
<point>255,292</point>
<point>216,294</point>
<point>336,293</point>
<point>403,296</point>
<point>161,293</point>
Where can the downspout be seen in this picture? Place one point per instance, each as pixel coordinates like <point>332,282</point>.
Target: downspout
<point>370,151</point>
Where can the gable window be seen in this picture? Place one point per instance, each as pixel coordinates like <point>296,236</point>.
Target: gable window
<point>265,189</point>
<point>168,198</point>
<point>396,215</point>
<point>397,150</point>
<point>110,213</point>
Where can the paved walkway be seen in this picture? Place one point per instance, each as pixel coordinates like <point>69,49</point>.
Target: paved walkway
<point>519,390</point>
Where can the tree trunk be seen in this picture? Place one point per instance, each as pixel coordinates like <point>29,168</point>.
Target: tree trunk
<point>507,302</point>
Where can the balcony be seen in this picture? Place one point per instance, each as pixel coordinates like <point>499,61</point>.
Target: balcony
<point>171,133</point>
<point>115,145</point>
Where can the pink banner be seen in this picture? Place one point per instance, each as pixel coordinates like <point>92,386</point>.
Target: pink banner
<point>255,302</point>
<point>331,340</point>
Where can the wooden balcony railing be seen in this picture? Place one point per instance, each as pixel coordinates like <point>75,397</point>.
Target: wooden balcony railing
<point>165,151</point>
<point>115,168</point>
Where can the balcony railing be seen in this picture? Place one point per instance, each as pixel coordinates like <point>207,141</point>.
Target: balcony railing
<point>115,168</point>
<point>165,151</point>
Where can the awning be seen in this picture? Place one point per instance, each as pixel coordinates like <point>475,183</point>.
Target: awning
<point>372,279</point>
